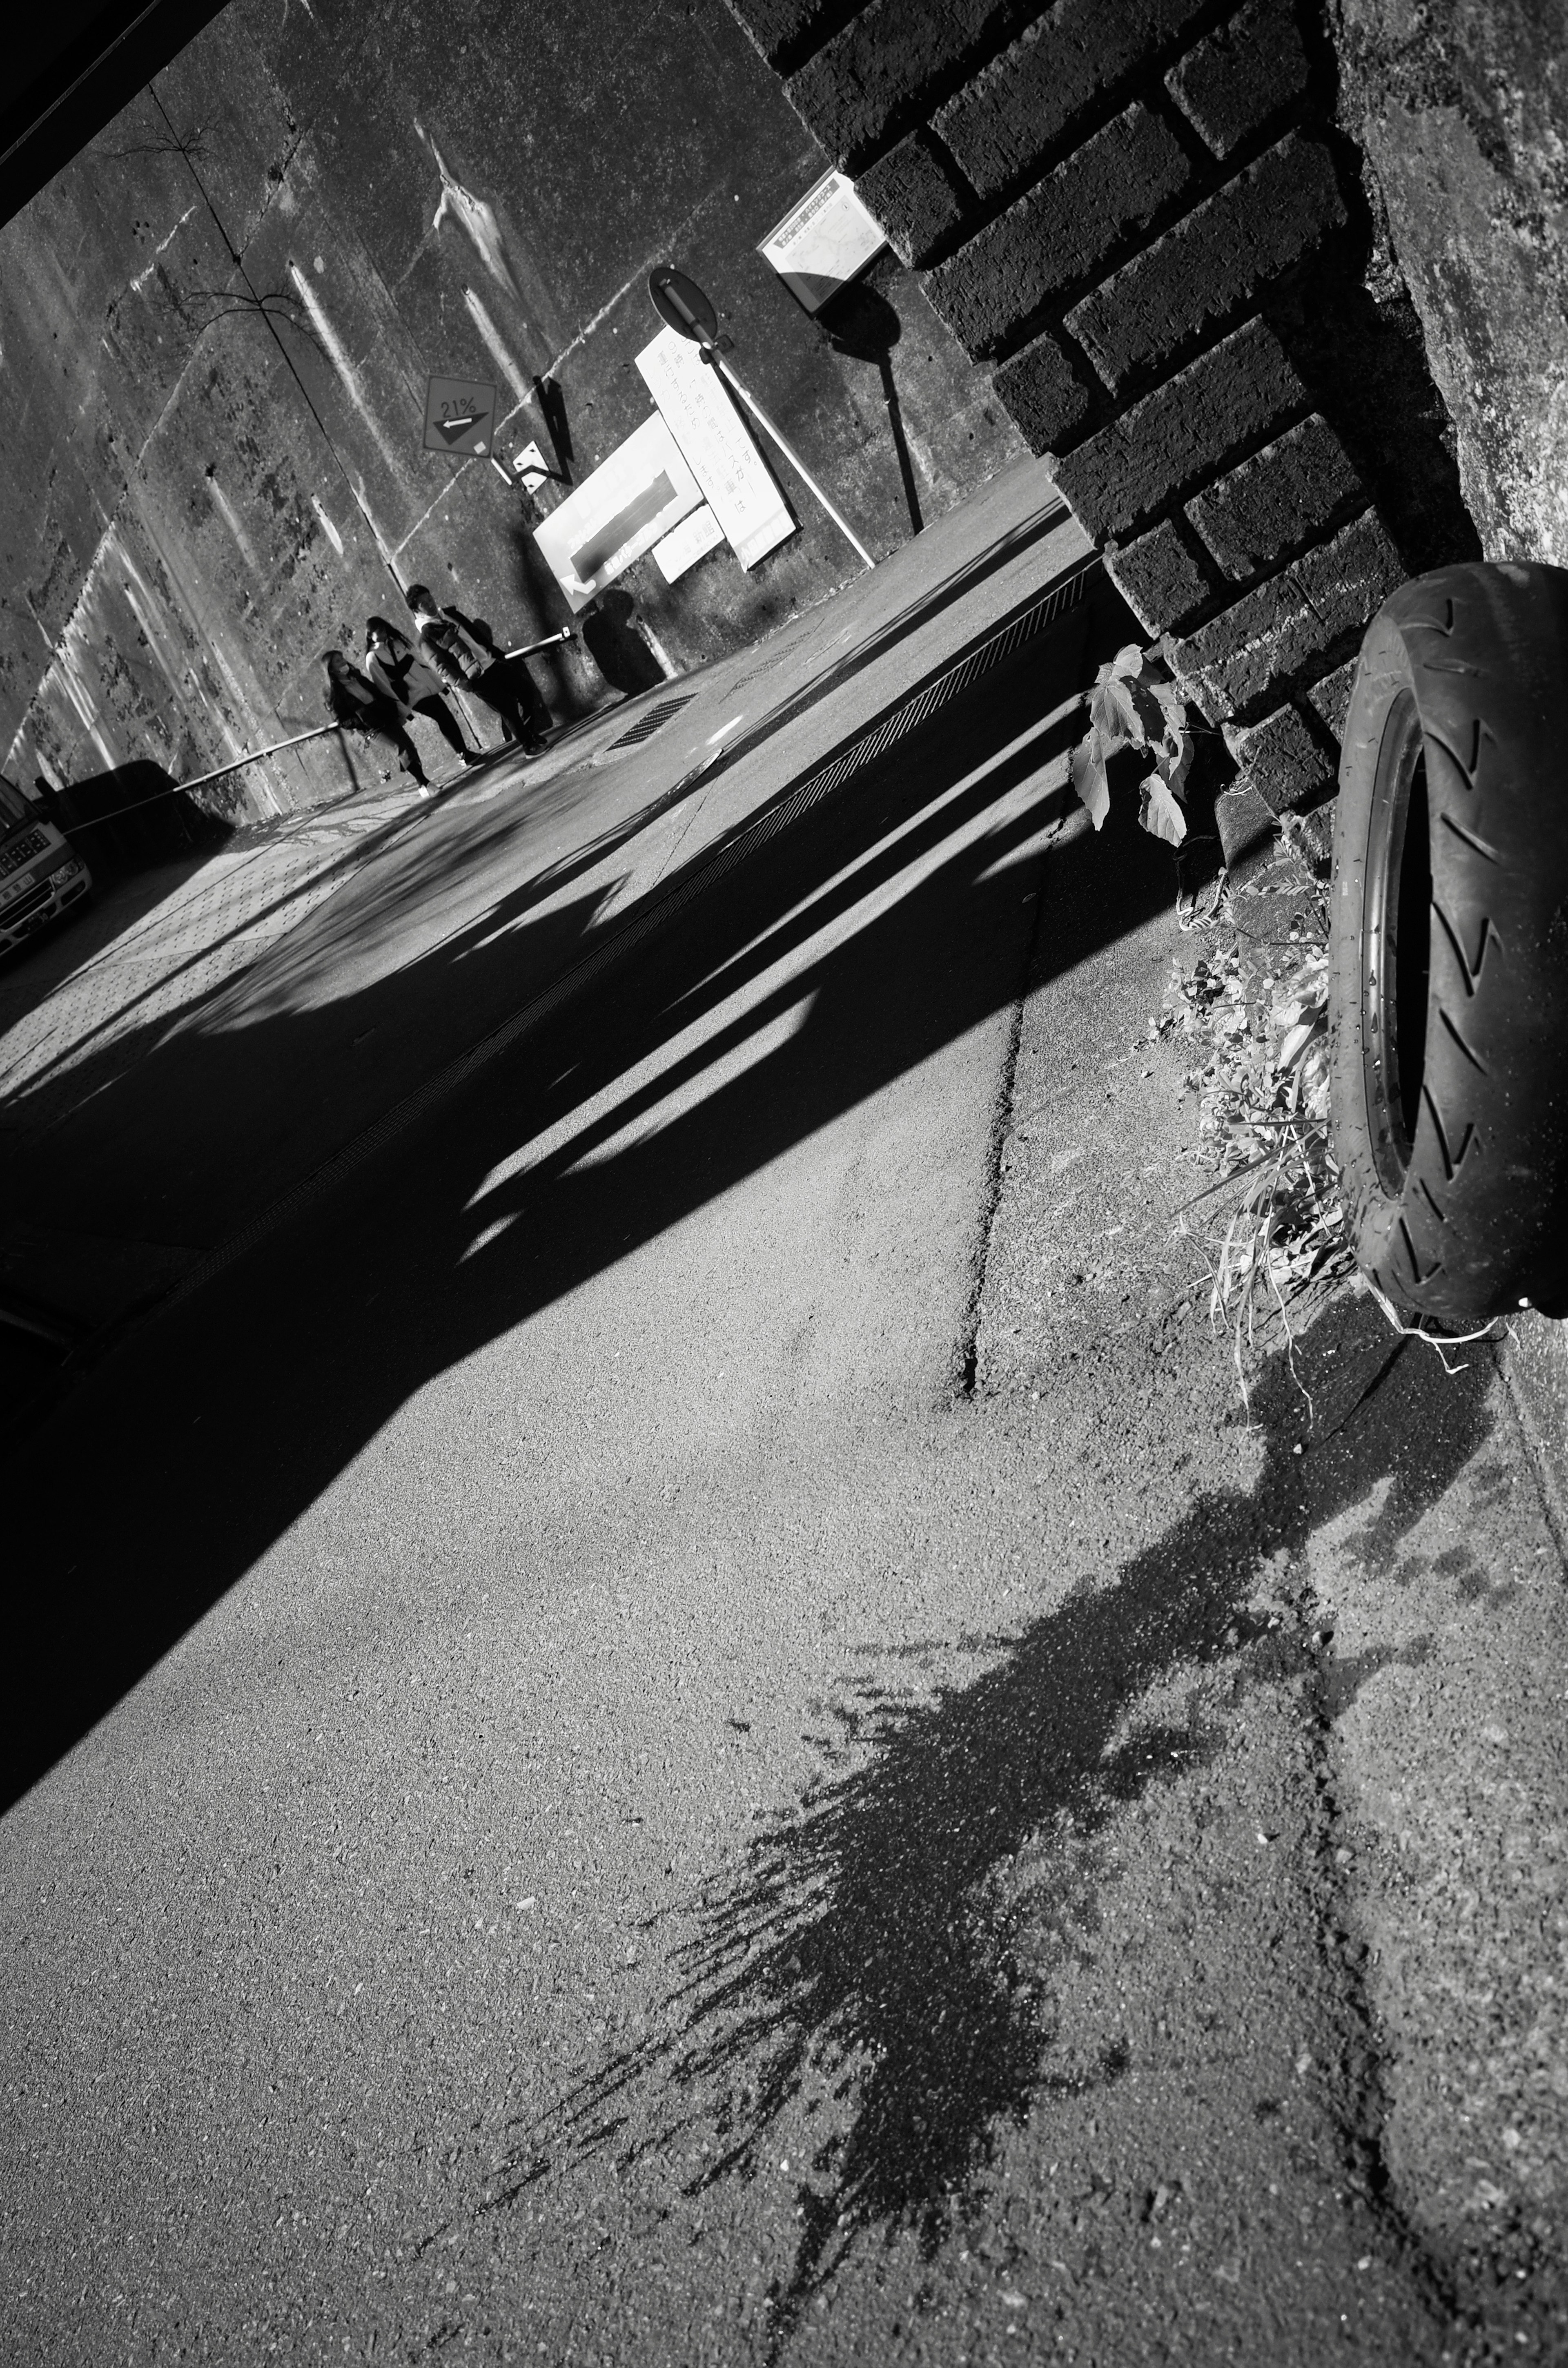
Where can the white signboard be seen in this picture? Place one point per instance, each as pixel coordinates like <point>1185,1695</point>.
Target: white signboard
<point>703,420</point>
<point>695,535</point>
<point>628,504</point>
<point>821,243</point>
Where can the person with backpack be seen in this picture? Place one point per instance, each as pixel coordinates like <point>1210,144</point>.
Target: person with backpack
<point>467,660</point>
<point>413,685</point>
<point>513,674</point>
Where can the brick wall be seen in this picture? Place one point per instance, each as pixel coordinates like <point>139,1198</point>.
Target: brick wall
<point>1140,214</point>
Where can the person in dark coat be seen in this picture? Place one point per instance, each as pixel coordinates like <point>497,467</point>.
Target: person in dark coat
<point>466,660</point>
<point>398,671</point>
<point>514,673</point>
<point>359,707</point>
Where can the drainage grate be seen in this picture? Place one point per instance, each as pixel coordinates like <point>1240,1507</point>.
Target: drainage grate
<point>654,720</point>
<point>914,711</point>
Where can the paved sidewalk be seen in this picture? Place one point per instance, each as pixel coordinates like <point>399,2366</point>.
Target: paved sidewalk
<point>285,998</point>
<point>738,1530</point>
<point>162,941</point>
<point>83,1006</point>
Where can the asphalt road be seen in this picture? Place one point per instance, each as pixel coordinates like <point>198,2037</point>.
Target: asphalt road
<point>734,1749</point>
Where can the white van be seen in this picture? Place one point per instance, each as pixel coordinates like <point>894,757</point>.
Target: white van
<point>40,872</point>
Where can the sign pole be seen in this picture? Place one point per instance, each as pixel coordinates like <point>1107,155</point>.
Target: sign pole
<point>793,458</point>
<point>679,302</point>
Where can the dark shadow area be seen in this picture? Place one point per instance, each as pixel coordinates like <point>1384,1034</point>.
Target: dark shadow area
<point>618,649</point>
<point>888,1952</point>
<point>1364,362</point>
<point>129,819</point>
<point>553,408</point>
<point>120,912</point>
<point>863,325</point>
<point>1347,323</point>
<point>546,605</point>
<point>310,1345</point>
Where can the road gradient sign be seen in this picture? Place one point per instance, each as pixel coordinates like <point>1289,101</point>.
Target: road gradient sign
<point>459,417</point>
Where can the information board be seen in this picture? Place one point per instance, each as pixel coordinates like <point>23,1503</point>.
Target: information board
<point>695,536</point>
<point>628,504</point>
<point>734,478</point>
<point>824,242</point>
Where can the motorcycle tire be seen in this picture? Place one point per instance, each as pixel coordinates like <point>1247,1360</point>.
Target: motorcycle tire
<point>1447,962</point>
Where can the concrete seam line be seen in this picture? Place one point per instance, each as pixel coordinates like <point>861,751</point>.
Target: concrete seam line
<point>748,840</point>
<point>1540,1453</point>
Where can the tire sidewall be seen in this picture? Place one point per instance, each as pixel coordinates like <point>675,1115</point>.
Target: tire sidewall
<point>1481,1222</point>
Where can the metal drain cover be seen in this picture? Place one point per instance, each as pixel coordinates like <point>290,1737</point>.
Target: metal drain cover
<point>653,721</point>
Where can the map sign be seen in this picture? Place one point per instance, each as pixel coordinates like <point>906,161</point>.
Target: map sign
<point>823,242</point>
<point>734,478</point>
<point>459,416</point>
<point>628,504</point>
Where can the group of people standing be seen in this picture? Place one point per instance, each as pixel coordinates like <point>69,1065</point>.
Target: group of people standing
<point>402,679</point>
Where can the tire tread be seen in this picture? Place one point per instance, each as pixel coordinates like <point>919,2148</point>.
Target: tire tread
<point>1480,1220</point>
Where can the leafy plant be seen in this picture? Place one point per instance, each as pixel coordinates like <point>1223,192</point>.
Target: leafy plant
<point>1136,703</point>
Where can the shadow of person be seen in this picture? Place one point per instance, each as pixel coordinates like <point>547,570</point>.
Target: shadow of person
<point>617,648</point>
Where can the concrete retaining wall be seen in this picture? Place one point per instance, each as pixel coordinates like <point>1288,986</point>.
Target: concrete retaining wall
<point>217,325</point>
<point>1462,106</point>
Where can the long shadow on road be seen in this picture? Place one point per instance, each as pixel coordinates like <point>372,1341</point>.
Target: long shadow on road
<point>862,1951</point>
<point>885,924</point>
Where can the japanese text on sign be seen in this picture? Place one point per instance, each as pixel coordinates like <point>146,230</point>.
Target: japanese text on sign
<point>717,445</point>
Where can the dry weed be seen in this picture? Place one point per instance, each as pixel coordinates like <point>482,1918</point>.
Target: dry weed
<point>1261,1075</point>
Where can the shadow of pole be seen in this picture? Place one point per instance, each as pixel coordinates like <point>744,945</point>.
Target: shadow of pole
<point>900,445</point>
<point>862,324</point>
